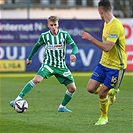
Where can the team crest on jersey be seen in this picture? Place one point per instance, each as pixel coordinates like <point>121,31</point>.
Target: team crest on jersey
<point>62,40</point>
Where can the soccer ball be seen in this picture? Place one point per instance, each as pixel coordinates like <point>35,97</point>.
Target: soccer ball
<point>20,106</point>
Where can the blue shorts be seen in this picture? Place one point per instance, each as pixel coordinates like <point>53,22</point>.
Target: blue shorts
<point>109,77</point>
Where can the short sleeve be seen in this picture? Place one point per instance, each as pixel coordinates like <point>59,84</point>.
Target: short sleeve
<point>69,40</point>
<point>113,33</point>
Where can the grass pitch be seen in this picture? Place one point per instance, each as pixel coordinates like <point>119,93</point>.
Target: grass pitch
<point>44,99</point>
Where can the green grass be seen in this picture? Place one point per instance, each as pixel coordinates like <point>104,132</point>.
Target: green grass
<point>43,100</point>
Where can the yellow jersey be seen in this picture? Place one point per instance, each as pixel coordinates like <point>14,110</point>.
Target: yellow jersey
<point>116,57</point>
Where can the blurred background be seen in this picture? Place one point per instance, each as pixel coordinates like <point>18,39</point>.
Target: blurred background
<point>22,21</point>
<point>36,8</point>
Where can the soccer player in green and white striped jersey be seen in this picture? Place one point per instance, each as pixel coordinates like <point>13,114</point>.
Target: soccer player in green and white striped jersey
<point>54,41</point>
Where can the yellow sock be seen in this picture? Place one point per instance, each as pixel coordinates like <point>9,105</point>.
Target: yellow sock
<point>98,89</point>
<point>104,107</point>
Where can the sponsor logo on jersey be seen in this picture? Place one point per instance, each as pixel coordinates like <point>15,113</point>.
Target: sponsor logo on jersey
<point>55,47</point>
<point>113,36</point>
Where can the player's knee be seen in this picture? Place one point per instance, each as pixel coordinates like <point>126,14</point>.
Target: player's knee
<point>102,95</point>
<point>36,81</point>
<point>89,90</point>
<point>72,89</point>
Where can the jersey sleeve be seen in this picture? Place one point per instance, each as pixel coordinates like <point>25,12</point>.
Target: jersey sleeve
<point>41,40</point>
<point>71,42</point>
<point>74,48</point>
<point>113,33</point>
<point>36,47</point>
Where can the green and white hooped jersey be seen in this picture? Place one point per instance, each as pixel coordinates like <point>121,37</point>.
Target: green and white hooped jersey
<point>55,47</point>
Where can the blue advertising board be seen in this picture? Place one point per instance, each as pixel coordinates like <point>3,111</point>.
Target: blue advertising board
<point>23,31</point>
<point>87,57</point>
<point>28,31</point>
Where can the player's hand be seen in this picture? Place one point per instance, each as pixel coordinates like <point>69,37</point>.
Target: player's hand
<point>28,62</point>
<point>86,35</point>
<point>72,58</point>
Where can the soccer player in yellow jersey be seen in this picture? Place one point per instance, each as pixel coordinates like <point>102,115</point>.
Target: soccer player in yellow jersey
<point>108,74</point>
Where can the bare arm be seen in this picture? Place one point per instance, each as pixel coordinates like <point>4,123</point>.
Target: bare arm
<point>28,62</point>
<point>105,46</point>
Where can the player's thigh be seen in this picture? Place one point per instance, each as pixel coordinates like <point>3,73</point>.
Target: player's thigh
<point>92,85</point>
<point>98,74</point>
<point>45,71</point>
<point>64,76</point>
<point>113,78</point>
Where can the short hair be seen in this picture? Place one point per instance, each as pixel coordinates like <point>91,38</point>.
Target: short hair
<point>53,18</point>
<point>105,4</point>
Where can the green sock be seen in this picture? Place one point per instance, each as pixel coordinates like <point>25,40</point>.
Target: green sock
<point>26,89</point>
<point>67,98</point>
